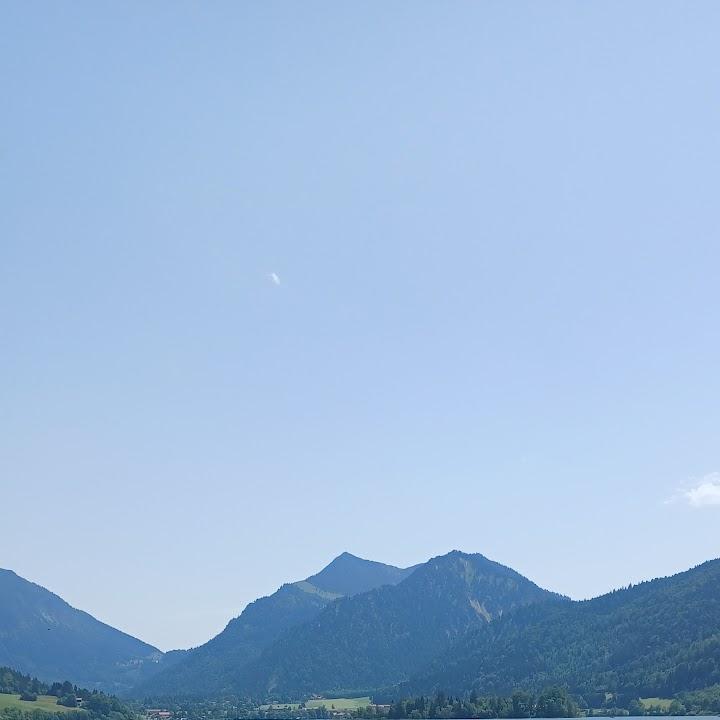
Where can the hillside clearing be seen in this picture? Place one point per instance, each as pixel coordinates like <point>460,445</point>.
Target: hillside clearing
<point>662,703</point>
<point>47,703</point>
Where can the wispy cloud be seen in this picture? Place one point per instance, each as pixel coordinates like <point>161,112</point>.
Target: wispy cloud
<point>274,278</point>
<point>702,492</point>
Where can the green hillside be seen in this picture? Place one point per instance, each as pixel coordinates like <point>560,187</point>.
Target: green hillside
<point>386,635</point>
<point>42,635</point>
<point>48,703</point>
<point>655,639</point>
<point>215,667</point>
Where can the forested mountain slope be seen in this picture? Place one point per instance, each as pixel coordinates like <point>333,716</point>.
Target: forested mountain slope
<point>653,639</point>
<point>42,635</point>
<point>383,636</point>
<point>214,667</point>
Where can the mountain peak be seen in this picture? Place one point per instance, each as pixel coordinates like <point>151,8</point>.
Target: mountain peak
<point>477,560</point>
<point>215,665</point>
<point>462,554</point>
<point>382,637</point>
<point>348,574</point>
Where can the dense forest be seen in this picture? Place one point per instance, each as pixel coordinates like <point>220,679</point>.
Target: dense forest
<point>462,623</point>
<point>214,667</point>
<point>655,639</point>
<point>550,703</point>
<point>386,635</point>
<point>706,700</point>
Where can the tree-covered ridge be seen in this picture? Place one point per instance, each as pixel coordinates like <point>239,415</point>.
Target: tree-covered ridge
<point>654,639</point>
<point>88,704</point>
<point>384,636</point>
<point>216,666</point>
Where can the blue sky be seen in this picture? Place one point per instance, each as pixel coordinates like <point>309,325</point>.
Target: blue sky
<point>279,280</point>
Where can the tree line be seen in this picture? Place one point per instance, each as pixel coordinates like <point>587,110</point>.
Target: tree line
<point>90,704</point>
<point>552,702</point>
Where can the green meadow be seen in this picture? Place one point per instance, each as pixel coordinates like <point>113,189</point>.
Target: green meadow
<point>329,703</point>
<point>340,703</point>
<point>662,703</point>
<point>48,703</point>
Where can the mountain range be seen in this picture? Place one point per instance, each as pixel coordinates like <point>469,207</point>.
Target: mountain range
<point>459,622</point>
<point>217,666</point>
<point>655,639</point>
<point>384,636</point>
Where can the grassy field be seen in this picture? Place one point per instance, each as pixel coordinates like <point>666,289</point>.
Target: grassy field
<point>662,703</point>
<point>339,703</point>
<point>44,702</point>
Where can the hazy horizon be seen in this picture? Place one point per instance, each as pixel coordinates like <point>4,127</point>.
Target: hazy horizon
<point>279,280</point>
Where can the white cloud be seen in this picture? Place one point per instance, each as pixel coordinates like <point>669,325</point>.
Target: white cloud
<point>704,492</point>
<point>274,278</point>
